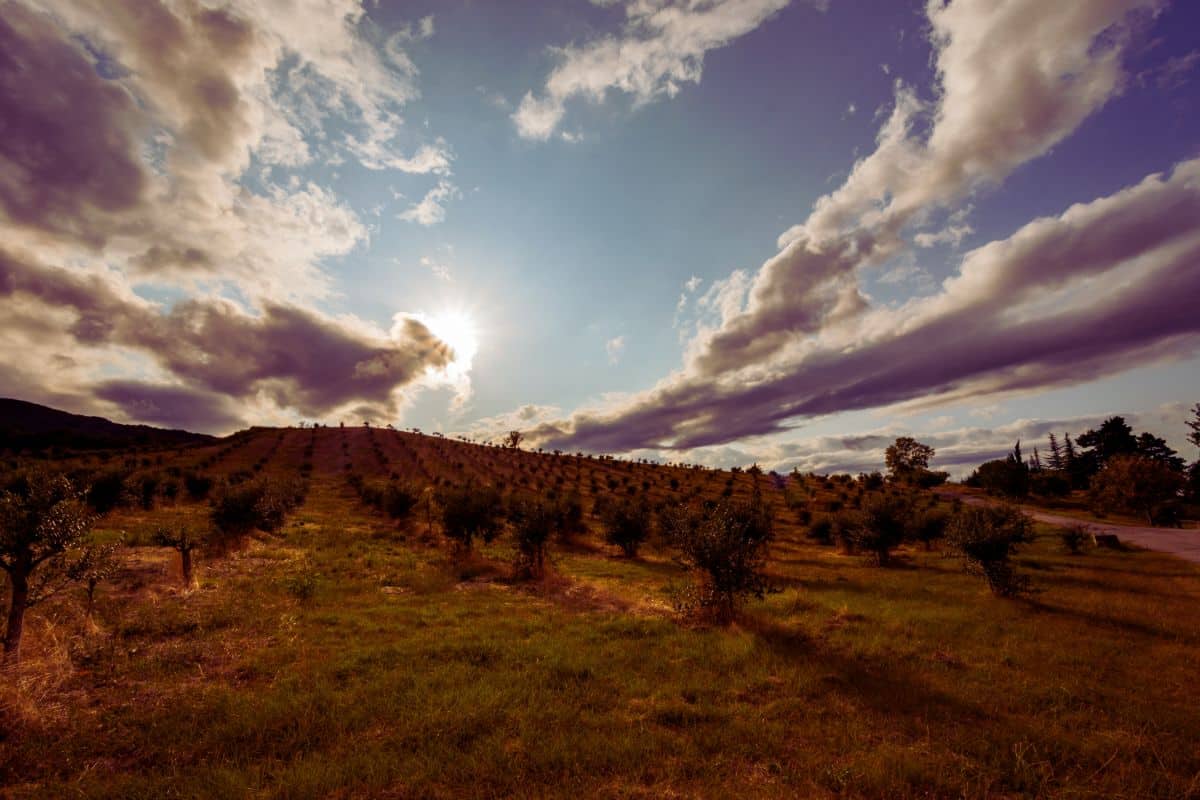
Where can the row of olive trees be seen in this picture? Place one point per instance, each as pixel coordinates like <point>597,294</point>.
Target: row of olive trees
<point>724,543</point>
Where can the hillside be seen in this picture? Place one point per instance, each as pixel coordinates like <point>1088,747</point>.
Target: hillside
<point>349,654</point>
<point>29,425</point>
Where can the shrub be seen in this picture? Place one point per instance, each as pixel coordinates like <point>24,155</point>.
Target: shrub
<point>1073,537</point>
<point>198,486</point>
<point>883,525</point>
<point>626,524</point>
<point>1049,483</point>
<point>108,490</point>
<point>237,510</point>
<point>1002,476</point>
<point>469,512</point>
<point>1138,485</point>
<point>533,523</point>
<point>399,500</point>
<point>569,516</point>
<point>928,525</point>
<point>726,543</point>
<point>821,530</point>
<point>302,584</point>
<point>984,537</point>
<point>147,490</point>
<point>845,525</point>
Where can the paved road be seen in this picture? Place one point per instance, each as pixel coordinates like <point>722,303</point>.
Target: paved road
<point>1181,542</point>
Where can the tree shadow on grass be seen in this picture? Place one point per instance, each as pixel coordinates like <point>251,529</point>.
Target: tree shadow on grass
<point>1105,621</point>
<point>886,686</point>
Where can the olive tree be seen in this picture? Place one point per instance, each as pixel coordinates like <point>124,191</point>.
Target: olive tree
<point>182,540</point>
<point>96,563</point>
<point>726,544</point>
<point>40,527</point>
<point>984,537</point>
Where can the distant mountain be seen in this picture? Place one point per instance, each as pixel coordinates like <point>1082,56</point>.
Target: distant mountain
<point>29,425</point>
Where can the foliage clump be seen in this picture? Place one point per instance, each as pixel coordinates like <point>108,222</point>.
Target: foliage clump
<point>470,512</point>
<point>626,524</point>
<point>726,544</point>
<point>1138,485</point>
<point>42,527</point>
<point>985,537</point>
<point>533,522</point>
<point>262,505</point>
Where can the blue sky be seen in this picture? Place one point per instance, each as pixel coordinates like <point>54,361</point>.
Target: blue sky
<point>709,129</point>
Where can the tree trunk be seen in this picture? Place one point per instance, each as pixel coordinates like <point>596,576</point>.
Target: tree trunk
<point>19,601</point>
<point>185,561</point>
<point>91,600</point>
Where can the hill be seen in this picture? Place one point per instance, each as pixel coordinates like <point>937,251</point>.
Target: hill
<point>348,652</point>
<point>29,425</point>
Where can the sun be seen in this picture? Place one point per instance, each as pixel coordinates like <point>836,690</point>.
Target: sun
<point>456,328</point>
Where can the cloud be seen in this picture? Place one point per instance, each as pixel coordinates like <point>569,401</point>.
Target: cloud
<point>615,347</point>
<point>527,417</point>
<point>661,46</point>
<point>153,112</point>
<point>170,406</point>
<point>800,339</point>
<point>432,208</point>
<point>143,144</point>
<point>1103,287</point>
<point>287,356</point>
<point>439,270</point>
<point>959,449</point>
<point>1014,79</point>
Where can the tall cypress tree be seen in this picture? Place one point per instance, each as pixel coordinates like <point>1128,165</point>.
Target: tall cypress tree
<point>1056,458</point>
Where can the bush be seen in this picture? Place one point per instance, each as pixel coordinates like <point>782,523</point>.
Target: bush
<point>883,523</point>
<point>533,523</point>
<point>399,500</point>
<point>821,530</point>
<point>469,512</point>
<point>726,543</point>
<point>108,490</point>
<point>302,584</point>
<point>147,490</point>
<point>1138,485</point>
<point>844,530</point>
<point>626,524</point>
<point>197,486</point>
<point>1073,537</point>
<point>1049,483</point>
<point>569,516</point>
<point>984,537</point>
<point>1006,477</point>
<point>928,525</point>
<point>237,510</point>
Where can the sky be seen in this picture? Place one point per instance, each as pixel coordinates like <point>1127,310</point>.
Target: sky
<point>711,231</point>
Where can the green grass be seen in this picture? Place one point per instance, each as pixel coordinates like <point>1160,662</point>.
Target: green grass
<point>395,678</point>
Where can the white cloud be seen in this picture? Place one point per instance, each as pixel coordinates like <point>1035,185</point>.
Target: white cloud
<point>432,208</point>
<point>661,47</point>
<point>615,347</point>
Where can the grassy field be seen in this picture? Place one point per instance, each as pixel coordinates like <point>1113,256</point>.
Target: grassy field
<point>348,656</point>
